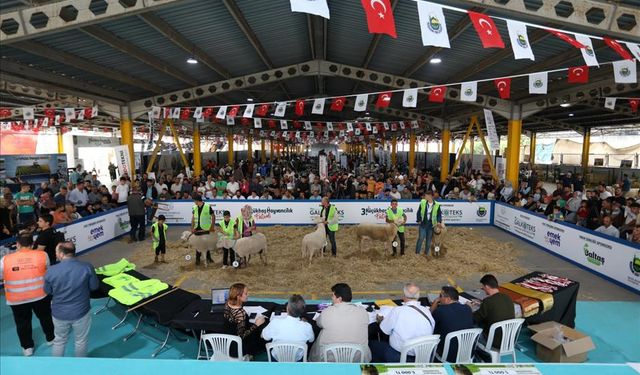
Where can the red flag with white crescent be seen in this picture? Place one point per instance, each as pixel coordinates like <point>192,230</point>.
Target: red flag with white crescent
<point>380,17</point>
<point>49,112</point>
<point>486,29</point>
<point>233,111</point>
<point>578,74</point>
<point>299,111</point>
<point>384,100</point>
<point>504,87</point>
<point>567,38</point>
<point>262,110</point>
<point>620,50</point>
<point>437,94</point>
<point>338,104</point>
<point>185,114</point>
<point>633,103</point>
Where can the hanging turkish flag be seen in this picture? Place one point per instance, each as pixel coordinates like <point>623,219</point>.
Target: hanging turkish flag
<point>437,94</point>
<point>88,112</point>
<point>567,38</point>
<point>262,110</point>
<point>207,112</point>
<point>5,112</point>
<point>578,74</point>
<point>299,111</point>
<point>271,124</point>
<point>384,100</point>
<point>233,111</point>
<point>185,114</point>
<point>49,112</point>
<point>620,50</point>
<point>297,125</point>
<point>633,103</point>
<point>337,104</point>
<point>380,17</point>
<point>504,87</point>
<point>245,121</point>
<point>486,29</point>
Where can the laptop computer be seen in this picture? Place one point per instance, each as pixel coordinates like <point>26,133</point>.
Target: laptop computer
<point>218,299</point>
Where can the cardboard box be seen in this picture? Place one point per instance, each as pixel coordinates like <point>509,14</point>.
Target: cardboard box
<point>573,348</point>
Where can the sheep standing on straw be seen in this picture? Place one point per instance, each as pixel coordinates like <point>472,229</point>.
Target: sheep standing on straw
<point>313,243</point>
<point>386,233</point>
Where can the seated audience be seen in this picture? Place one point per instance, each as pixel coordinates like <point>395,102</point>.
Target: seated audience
<point>290,328</point>
<point>450,316</point>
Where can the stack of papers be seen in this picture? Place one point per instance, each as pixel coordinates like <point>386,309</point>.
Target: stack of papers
<point>257,310</point>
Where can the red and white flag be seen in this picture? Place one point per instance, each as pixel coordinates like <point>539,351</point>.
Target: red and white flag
<point>437,94</point>
<point>380,17</point>
<point>614,45</point>
<point>578,74</point>
<point>299,111</point>
<point>233,111</point>
<point>588,54</point>
<point>486,29</point>
<point>633,103</point>
<point>634,48</point>
<point>567,38</point>
<point>337,104</point>
<point>504,87</point>
<point>384,100</point>
<point>262,110</point>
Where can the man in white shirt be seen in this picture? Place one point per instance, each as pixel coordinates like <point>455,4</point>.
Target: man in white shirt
<point>79,196</point>
<point>403,323</point>
<point>253,196</point>
<point>603,193</point>
<point>232,186</point>
<point>607,228</point>
<point>123,191</point>
<point>290,328</point>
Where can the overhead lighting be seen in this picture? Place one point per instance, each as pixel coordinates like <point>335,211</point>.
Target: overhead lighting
<point>192,60</point>
<point>367,113</point>
<point>249,99</point>
<point>565,105</point>
<point>435,60</point>
<point>570,114</point>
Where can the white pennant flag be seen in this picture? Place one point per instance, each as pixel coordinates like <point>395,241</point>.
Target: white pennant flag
<point>367,126</point>
<point>357,132</point>
<point>257,123</point>
<point>5,125</point>
<point>298,134</point>
<point>94,111</point>
<point>317,7</point>
<point>318,107</point>
<point>341,133</point>
<point>28,113</point>
<point>248,112</point>
<point>155,110</point>
<point>361,103</point>
<point>433,26</point>
<point>349,127</point>
<point>538,83</point>
<point>285,134</point>
<point>283,124</point>
<point>634,48</point>
<point>410,98</point>
<point>231,120</point>
<point>469,91</point>
<point>394,127</point>
<point>45,122</point>
<point>197,114</point>
<point>307,125</point>
<point>588,54</point>
<point>201,119</point>
<point>414,124</point>
<point>386,125</point>
<point>69,114</point>
<point>610,103</point>
<point>80,115</point>
<point>311,134</point>
<point>167,112</point>
<point>494,141</point>
<point>281,108</point>
<point>175,113</point>
<point>329,126</point>
<point>375,130</point>
<point>519,40</point>
<point>624,71</point>
<point>262,133</point>
<point>56,120</point>
<point>273,133</point>
<point>402,125</point>
<point>222,112</point>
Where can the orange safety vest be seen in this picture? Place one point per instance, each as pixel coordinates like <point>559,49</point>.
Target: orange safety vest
<point>24,273</point>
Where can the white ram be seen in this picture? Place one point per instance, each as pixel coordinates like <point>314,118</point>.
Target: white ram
<point>314,242</point>
<point>203,243</point>
<point>247,246</point>
<point>386,233</point>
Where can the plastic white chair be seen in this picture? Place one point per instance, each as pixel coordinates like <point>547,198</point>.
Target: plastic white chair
<point>423,347</point>
<point>220,345</point>
<point>344,353</point>
<point>286,351</point>
<point>510,331</point>
<point>467,340</point>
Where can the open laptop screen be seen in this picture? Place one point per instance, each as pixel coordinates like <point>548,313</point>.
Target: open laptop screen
<point>219,295</point>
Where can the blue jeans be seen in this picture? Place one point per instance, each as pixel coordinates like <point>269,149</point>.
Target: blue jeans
<point>424,233</point>
<point>382,352</point>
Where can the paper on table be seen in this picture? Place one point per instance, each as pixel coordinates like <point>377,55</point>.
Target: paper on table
<point>282,315</point>
<point>254,310</point>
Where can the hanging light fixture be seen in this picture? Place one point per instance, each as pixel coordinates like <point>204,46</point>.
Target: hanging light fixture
<point>192,60</point>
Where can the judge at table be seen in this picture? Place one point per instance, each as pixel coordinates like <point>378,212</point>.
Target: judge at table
<point>343,322</point>
<point>237,321</point>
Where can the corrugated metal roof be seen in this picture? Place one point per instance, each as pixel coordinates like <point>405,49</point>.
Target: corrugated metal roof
<point>348,37</point>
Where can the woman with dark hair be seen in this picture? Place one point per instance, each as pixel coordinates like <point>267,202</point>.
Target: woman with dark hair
<point>237,321</point>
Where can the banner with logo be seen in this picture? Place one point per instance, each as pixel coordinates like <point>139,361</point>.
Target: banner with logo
<point>82,141</point>
<point>616,260</point>
<point>350,212</point>
<point>96,230</point>
<point>123,158</point>
<point>32,168</point>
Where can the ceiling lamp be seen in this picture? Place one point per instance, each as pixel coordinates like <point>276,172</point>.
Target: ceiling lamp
<point>192,60</point>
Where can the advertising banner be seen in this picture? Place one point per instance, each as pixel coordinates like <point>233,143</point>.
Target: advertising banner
<point>611,258</point>
<point>33,168</point>
<point>82,141</point>
<point>96,230</point>
<point>123,158</point>
<point>272,212</point>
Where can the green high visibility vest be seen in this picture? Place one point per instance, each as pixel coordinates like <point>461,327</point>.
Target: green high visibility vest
<point>227,229</point>
<point>332,213</point>
<point>240,221</point>
<point>121,266</point>
<point>434,211</point>
<point>156,234</point>
<point>392,216</point>
<point>132,293</point>
<point>204,218</point>
<point>119,280</point>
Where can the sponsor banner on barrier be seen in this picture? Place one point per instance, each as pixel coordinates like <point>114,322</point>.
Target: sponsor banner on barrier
<point>350,212</point>
<point>91,232</point>
<point>613,259</point>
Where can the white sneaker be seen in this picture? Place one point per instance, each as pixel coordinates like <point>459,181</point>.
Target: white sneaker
<point>223,267</point>
<point>27,352</point>
<point>50,343</point>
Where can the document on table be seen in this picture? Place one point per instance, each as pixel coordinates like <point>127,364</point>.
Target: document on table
<point>281,316</point>
<point>257,310</point>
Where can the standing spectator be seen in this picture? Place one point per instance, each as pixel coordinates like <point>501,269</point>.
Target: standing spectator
<point>23,273</point>
<point>122,191</point>
<point>136,208</point>
<point>112,171</point>
<point>48,238</point>
<point>25,200</point>
<point>626,184</point>
<point>75,176</point>
<point>450,316</point>
<point>70,283</point>
<point>79,197</point>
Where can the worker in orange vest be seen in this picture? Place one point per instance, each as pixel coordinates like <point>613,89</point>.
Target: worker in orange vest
<point>23,274</point>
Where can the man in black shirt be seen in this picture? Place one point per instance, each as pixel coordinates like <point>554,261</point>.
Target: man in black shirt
<point>450,316</point>
<point>47,238</point>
